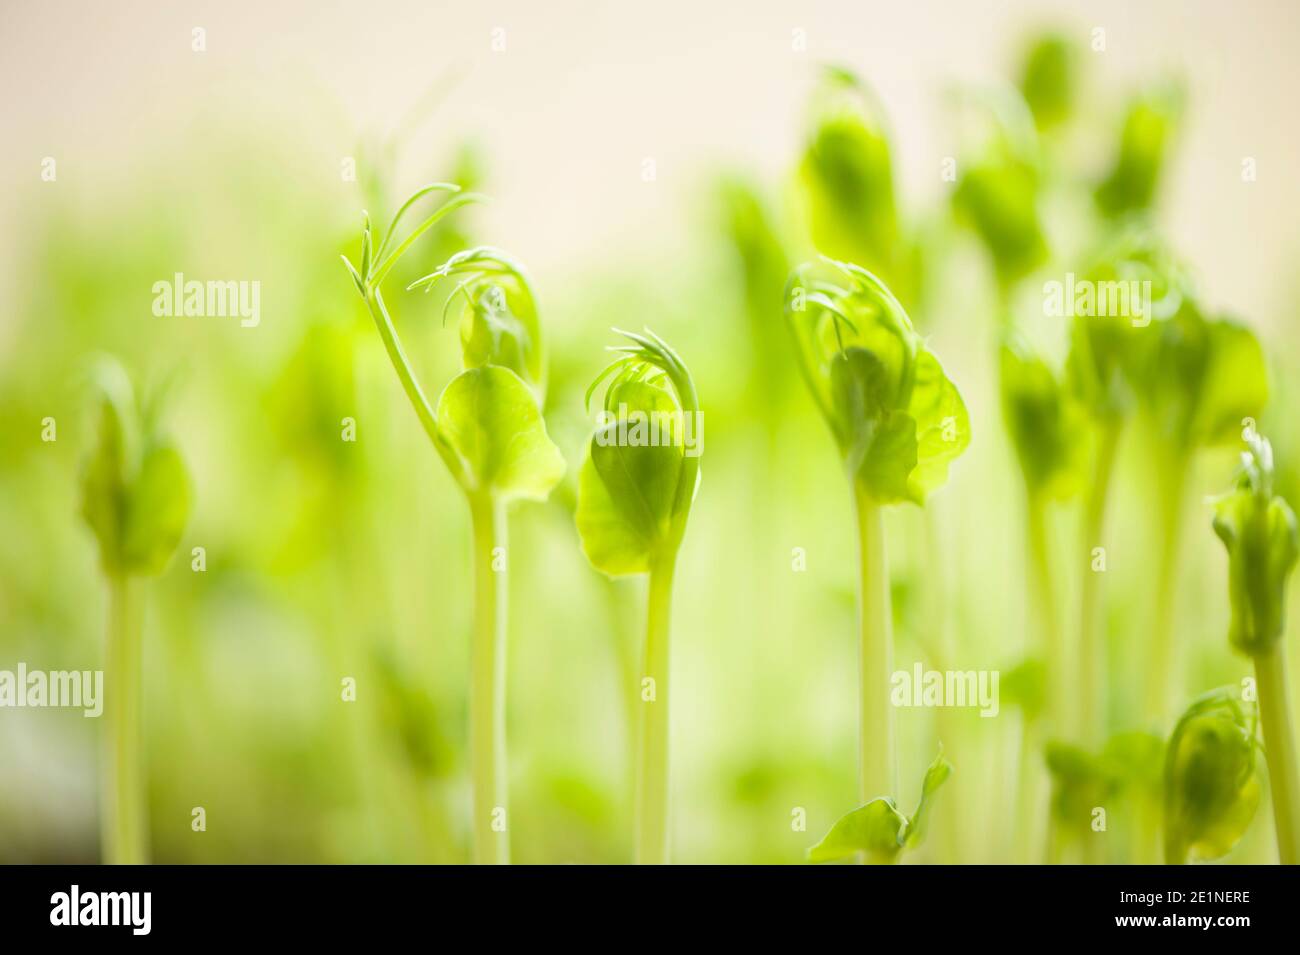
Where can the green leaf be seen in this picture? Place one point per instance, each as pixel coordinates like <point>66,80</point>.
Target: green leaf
<point>1211,781</point>
<point>1235,385</point>
<point>1042,419</point>
<point>157,510</point>
<point>1259,531</point>
<point>935,776</point>
<point>1145,139</point>
<point>896,417</point>
<point>135,490</point>
<point>998,197</point>
<point>875,829</point>
<point>847,176</point>
<point>942,425</point>
<point>637,482</point>
<point>1048,80</point>
<point>493,435</point>
<point>878,828</point>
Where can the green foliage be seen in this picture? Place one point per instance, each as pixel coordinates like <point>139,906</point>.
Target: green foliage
<point>1042,418</point>
<point>135,490</point>
<point>1109,348</point>
<point>1145,139</point>
<point>896,417</point>
<point>1083,779</point>
<point>1202,377</point>
<point>488,426</point>
<point>634,496</point>
<point>847,175</point>
<point>1259,530</point>
<point>1211,781</point>
<point>1048,78</point>
<point>493,435</point>
<point>499,322</point>
<point>878,828</point>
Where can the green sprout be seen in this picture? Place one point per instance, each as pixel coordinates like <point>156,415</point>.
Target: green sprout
<point>878,829</point>
<point>898,422</point>
<point>1104,367</point>
<point>998,194</point>
<point>847,178</point>
<point>634,498</point>
<point>1201,378</point>
<point>1044,422</point>
<point>1144,142</point>
<point>1048,80</point>
<point>488,429</point>
<point>135,495</point>
<point>1258,529</point>
<point>1211,779</point>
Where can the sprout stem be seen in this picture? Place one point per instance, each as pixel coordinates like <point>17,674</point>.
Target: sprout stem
<point>1162,664</point>
<point>487,699</point>
<point>124,829</point>
<point>1092,636</point>
<point>1060,706</point>
<point>878,768</point>
<point>652,791</point>
<point>1279,749</point>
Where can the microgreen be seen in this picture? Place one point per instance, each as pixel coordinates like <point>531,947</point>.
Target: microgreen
<point>634,499</point>
<point>847,177</point>
<point>1148,129</point>
<point>898,422</point>
<point>998,193</point>
<point>135,495</point>
<point>878,829</point>
<point>1258,529</point>
<point>488,429</point>
<point>1048,79</point>
<point>1211,779</point>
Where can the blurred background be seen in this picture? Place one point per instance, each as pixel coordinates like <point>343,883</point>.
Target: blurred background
<point>642,161</point>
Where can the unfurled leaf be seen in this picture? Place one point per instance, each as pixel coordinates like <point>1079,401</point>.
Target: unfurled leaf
<point>1212,785</point>
<point>896,417</point>
<point>1259,530</point>
<point>490,426</point>
<point>878,828</point>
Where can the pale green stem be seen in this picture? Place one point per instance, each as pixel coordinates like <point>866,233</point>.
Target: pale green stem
<point>1162,664</point>
<point>124,829</point>
<point>1092,635</point>
<point>487,698</point>
<point>877,767</point>
<point>1279,748</point>
<point>1060,708</point>
<point>652,789</point>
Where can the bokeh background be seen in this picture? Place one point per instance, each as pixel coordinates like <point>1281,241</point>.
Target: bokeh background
<point>329,559</point>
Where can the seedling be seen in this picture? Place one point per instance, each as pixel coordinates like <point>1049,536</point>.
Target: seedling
<point>1259,530</point>
<point>898,422</point>
<point>634,498</point>
<point>135,495</point>
<point>1211,778</point>
<point>489,431</point>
